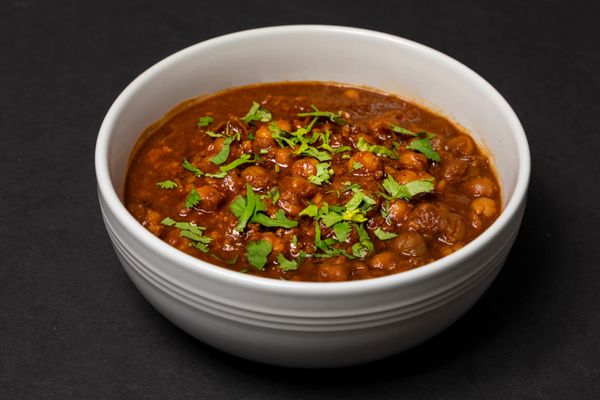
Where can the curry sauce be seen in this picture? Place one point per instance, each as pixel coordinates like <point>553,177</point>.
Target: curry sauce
<point>311,181</point>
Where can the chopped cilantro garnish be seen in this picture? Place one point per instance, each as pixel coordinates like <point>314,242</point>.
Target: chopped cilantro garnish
<point>314,152</point>
<point>355,187</point>
<point>244,208</point>
<point>191,232</point>
<point>285,264</point>
<point>423,145</point>
<point>323,174</point>
<point>341,231</point>
<point>204,121</point>
<point>364,245</point>
<point>244,158</point>
<point>273,195</point>
<point>249,209</point>
<point>404,131</point>
<point>257,252</point>
<point>222,155</point>
<point>363,145</point>
<point>409,189</point>
<point>384,235</point>
<point>256,113</point>
<point>278,220</point>
<point>312,210</point>
<point>192,198</point>
<point>337,118</point>
<point>356,165</point>
<point>168,184</point>
<point>191,167</point>
<point>213,134</point>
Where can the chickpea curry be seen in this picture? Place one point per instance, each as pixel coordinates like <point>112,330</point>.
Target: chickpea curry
<point>310,181</point>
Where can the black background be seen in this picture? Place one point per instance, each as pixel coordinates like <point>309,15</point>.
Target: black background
<point>73,326</point>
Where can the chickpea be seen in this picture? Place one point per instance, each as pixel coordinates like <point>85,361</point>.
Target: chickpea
<point>210,196</point>
<point>152,222</point>
<point>484,206</point>
<point>365,163</point>
<point>412,160</point>
<point>260,178</point>
<point>263,140</point>
<point>452,228</point>
<point>283,156</point>
<point>284,125</point>
<point>410,244</point>
<point>277,242</point>
<point>399,211</point>
<point>461,145</point>
<point>385,260</point>
<point>351,94</point>
<point>305,167</point>
<point>480,186</point>
<point>405,176</point>
<point>333,272</point>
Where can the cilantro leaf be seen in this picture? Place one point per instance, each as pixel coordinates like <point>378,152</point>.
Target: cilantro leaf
<point>285,264</point>
<point>168,184</point>
<point>237,206</point>
<point>384,235</point>
<point>364,246</point>
<point>363,145</point>
<point>191,167</point>
<point>213,134</point>
<point>191,232</point>
<point>273,194</point>
<point>404,131</point>
<point>204,121</point>
<point>257,252</point>
<point>409,189</point>
<point>341,231</point>
<point>222,155</point>
<point>337,118</point>
<point>314,152</point>
<point>168,221</point>
<point>312,210</point>
<point>248,211</point>
<point>323,174</point>
<point>278,220</point>
<point>256,113</point>
<point>244,158</point>
<point>423,146</point>
<point>192,198</point>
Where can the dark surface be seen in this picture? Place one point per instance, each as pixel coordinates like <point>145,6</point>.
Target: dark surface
<point>73,326</point>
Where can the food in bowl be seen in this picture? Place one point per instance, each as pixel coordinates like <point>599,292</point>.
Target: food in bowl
<point>311,181</point>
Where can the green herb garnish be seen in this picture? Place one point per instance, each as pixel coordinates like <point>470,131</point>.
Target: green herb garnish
<point>423,146</point>
<point>285,264</point>
<point>168,184</point>
<point>204,121</point>
<point>384,235</point>
<point>407,190</point>
<point>337,118</point>
<point>191,167</point>
<point>323,174</point>
<point>249,209</point>
<point>191,232</point>
<point>363,145</point>
<point>256,113</point>
<point>257,252</point>
<point>404,131</point>
<point>192,198</point>
<point>222,155</point>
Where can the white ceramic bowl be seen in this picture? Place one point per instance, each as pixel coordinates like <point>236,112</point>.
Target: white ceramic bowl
<point>309,324</point>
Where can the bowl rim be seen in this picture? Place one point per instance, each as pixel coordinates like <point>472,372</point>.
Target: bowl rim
<point>324,289</point>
